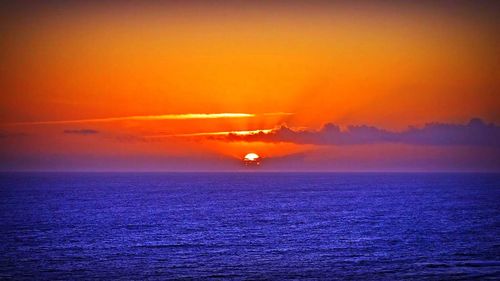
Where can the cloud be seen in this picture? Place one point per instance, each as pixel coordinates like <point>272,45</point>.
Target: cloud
<point>186,116</point>
<point>218,133</point>
<point>475,133</point>
<point>84,132</point>
<point>4,135</point>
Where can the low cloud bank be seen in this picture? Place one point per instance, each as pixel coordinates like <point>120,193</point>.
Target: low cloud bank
<point>475,133</point>
<point>81,132</point>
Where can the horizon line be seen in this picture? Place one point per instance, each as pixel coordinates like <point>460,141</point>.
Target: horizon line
<point>258,171</point>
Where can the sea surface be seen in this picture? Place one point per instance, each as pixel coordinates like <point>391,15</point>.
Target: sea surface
<point>249,226</point>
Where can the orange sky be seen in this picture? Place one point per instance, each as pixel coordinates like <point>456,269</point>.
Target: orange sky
<point>304,65</point>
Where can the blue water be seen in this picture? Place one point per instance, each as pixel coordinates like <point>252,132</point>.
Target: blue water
<point>269,226</point>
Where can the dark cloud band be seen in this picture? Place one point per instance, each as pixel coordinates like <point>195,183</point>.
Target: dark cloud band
<point>476,133</point>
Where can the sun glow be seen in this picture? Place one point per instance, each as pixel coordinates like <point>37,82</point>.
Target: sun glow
<point>251,159</point>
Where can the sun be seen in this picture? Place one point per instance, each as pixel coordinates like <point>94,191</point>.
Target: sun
<point>251,156</point>
<point>252,159</point>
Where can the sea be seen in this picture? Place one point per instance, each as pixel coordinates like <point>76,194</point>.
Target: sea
<point>249,226</point>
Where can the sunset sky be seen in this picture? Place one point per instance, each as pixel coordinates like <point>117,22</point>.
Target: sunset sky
<point>195,85</point>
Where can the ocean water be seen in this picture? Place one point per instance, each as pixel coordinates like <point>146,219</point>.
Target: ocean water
<point>249,226</point>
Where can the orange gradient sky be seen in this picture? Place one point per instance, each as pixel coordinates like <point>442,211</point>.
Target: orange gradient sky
<point>132,71</point>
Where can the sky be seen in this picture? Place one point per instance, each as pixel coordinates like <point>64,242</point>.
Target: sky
<point>196,85</point>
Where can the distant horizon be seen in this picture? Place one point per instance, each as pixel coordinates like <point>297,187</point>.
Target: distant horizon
<point>255,172</point>
<point>475,146</point>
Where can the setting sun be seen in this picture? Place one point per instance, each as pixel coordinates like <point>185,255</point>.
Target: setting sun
<point>252,159</point>
<point>251,156</point>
